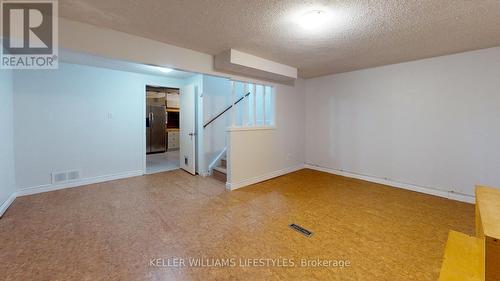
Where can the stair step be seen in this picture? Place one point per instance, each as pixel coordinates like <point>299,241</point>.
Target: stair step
<point>220,174</point>
<point>221,169</point>
<point>463,258</point>
<point>223,162</point>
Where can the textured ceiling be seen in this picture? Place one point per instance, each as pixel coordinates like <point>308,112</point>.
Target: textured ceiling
<point>360,34</point>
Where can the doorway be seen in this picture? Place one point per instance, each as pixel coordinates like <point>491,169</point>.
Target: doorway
<point>162,129</point>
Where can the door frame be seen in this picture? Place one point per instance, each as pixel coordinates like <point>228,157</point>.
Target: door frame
<point>143,126</point>
<point>194,137</point>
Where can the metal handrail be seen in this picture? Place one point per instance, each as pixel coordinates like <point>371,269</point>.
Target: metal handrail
<point>225,110</point>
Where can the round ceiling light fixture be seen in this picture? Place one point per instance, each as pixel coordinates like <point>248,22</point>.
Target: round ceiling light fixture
<point>313,19</point>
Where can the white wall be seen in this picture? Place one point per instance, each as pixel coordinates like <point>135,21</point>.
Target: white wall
<point>79,118</point>
<point>7,173</point>
<point>431,123</point>
<point>256,154</point>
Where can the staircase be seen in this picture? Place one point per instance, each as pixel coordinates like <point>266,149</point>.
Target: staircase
<point>220,172</point>
<point>218,168</point>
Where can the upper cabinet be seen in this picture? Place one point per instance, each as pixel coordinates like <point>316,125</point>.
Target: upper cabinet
<point>173,100</point>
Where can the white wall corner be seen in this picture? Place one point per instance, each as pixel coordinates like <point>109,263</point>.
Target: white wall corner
<point>268,176</point>
<point>7,203</point>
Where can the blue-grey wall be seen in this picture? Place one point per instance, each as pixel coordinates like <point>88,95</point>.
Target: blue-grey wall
<point>79,118</point>
<point>7,174</point>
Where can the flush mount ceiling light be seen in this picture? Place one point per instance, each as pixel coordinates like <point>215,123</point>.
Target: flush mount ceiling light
<point>313,19</point>
<point>165,70</point>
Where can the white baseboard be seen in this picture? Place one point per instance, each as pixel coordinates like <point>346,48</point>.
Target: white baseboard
<point>254,180</point>
<point>427,190</point>
<point>7,203</point>
<point>86,181</point>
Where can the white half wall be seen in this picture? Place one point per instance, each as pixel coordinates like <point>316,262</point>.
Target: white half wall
<point>433,123</point>
<point>79,118</point>
<point>7,172</point>
<point>256,155</point>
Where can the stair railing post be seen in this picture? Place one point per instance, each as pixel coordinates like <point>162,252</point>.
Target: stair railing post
<point>264,105</point>
<point>245,106</point>
<point>255,105</point>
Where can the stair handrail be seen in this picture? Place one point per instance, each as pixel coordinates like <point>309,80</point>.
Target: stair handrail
<point>226,110</point>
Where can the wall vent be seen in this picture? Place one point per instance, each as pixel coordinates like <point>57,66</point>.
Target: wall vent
<point>59,177</point>
<point>301,230</point>
<point>62,177</point>
<point>73,175</point>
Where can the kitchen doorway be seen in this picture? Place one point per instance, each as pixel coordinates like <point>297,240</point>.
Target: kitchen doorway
<point>162,129</point>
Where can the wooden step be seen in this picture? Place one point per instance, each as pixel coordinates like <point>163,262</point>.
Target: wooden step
<point>463,258</point>
<point>488,228</point>
<point>223,162</point>
<point>221,169</point>
<point>220,173</point>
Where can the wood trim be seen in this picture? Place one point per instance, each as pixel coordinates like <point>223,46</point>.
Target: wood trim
<point>488,229</point>
<point>479,224</point>
<point>161,89</point>
<point>492,259</point>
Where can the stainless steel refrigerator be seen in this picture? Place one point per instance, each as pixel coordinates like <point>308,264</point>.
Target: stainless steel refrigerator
<point>156,123</point>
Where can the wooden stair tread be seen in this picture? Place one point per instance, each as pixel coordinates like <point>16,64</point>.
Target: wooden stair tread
<point>488,205</point>
<point>463,258</point>
<point>220,174</point>
<point>221,170</point>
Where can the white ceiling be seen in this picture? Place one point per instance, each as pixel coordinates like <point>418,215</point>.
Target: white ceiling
<point>91,60</point>
<point>361,34</point>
